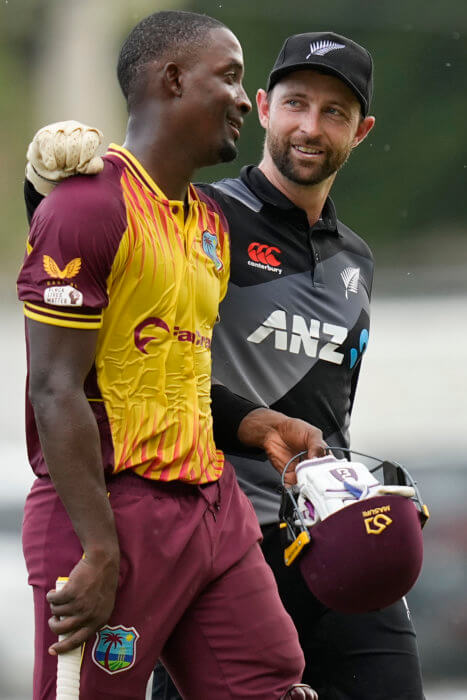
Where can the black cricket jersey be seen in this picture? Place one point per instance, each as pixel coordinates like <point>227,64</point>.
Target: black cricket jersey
<point>295,321</point>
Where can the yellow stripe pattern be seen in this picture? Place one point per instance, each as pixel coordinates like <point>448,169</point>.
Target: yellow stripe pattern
<point>153,358</point>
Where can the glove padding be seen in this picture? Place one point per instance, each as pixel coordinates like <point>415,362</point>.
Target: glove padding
<point>327,484</point>
<point>60,150</point>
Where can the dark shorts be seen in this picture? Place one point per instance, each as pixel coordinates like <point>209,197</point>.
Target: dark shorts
<point>194,589</point>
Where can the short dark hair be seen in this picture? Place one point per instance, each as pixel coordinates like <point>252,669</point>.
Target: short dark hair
<point>174,31</point>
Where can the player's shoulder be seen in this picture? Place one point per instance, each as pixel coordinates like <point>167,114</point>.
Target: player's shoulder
<point>239,204</point>
<point>207,196</point>
<point>83,200</point>
<point>232,193</point>
<point>353,241</point>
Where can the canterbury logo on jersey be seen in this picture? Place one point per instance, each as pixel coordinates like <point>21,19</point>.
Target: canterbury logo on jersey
<point>263,256</point>
<point>304,336</point>
<point>180,334</point>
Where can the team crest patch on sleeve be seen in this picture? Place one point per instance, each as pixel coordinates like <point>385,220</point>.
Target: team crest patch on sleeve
<point>63,296</point>
<point>209,242</point>
<point>115,648</point>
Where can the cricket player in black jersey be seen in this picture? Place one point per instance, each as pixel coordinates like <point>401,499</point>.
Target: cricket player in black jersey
<point>293,329</point>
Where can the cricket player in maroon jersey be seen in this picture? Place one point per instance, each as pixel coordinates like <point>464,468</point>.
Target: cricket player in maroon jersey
<point>122,278</point>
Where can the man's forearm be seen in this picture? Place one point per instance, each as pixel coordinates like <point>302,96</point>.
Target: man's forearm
<point>255,426</point>
<point>241,425</point>
<point>71,447</point>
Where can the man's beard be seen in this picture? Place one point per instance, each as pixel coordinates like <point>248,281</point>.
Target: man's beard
<point>282,158</point>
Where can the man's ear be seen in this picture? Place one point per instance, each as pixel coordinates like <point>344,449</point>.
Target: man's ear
<point>262,104</point>
<point>172,78</point>
<point>363,130</point>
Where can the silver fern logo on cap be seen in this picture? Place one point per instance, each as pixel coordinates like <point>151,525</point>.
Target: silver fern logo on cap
<point>350,277</point>
<point>321,48</point>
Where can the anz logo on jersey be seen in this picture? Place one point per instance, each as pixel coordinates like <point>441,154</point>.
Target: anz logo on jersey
<point>304,336</point>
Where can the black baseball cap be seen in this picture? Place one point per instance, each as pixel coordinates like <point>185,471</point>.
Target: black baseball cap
<point>328,53</point>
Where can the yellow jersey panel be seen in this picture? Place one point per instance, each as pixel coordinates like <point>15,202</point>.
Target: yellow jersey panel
<point>151,275</point>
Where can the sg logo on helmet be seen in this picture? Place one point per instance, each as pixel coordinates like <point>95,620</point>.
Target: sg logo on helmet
<point>376,524</point>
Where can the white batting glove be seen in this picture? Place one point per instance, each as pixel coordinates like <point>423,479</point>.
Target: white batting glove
<point>328,484</point>
<point>60,150</point>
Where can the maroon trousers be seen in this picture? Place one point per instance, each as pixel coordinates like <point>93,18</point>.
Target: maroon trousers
<point>194,590</point>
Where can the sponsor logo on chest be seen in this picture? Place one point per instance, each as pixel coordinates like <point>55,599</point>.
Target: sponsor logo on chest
<point>305,336</point>
<point>264,256</point>
<point>142,339</point>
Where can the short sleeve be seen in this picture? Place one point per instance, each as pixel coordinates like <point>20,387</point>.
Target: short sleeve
<point>72,246</point>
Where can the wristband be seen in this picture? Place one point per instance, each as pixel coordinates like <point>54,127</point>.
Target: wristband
<point>228,411</point>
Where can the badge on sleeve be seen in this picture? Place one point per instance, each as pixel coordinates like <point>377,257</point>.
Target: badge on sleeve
<point>70,270</point>
<point>66,295</point>
<point>63,296</point>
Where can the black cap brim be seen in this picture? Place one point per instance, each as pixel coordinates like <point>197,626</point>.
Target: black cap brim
<point>279,73</point>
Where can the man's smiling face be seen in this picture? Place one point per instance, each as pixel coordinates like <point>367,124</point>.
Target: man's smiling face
<point>216,100</point>
<point>312,122</point>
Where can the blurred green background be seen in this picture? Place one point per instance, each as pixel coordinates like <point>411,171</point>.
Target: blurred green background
<point>404,190</point>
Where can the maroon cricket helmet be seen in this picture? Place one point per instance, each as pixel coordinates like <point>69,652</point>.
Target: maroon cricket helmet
<point>365,556</point>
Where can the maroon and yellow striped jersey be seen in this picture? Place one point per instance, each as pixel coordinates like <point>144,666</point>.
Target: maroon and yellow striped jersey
<point>112,253</point>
